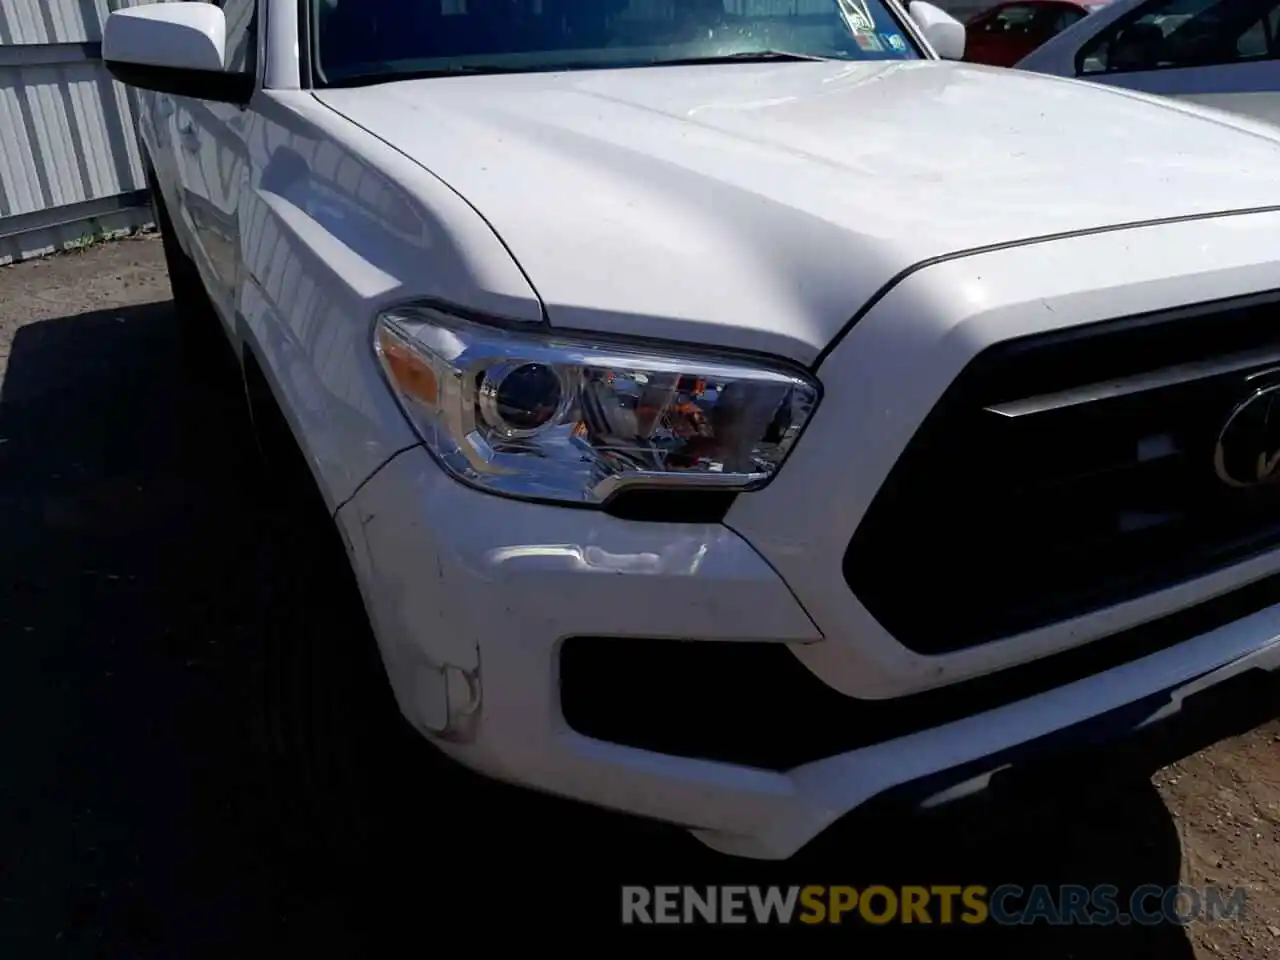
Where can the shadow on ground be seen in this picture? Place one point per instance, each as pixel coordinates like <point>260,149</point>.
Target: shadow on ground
<point>145,809</point>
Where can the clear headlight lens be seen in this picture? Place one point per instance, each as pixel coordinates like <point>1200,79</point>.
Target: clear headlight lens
<point>536,415</point>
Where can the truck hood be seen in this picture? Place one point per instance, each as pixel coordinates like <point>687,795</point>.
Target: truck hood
<point>760,206</point>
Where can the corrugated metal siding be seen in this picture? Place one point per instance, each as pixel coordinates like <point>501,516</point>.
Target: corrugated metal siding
<point>69,160</point>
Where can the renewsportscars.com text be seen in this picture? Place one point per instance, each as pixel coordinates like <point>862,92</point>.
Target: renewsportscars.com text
<point>1006,905</point>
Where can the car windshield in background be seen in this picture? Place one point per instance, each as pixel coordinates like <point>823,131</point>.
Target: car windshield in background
<point>364,41</point>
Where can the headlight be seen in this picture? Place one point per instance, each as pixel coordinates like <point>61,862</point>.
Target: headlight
<point>529,413</point>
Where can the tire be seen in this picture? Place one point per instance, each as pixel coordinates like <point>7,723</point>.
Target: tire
<point>341,762</point>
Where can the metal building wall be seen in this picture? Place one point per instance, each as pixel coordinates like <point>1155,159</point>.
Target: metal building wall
<point>69,161</point>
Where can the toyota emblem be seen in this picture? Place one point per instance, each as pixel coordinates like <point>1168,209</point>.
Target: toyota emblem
<point>1248,449</point>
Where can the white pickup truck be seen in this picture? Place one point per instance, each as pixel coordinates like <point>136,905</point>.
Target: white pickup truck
<point>732,411</point>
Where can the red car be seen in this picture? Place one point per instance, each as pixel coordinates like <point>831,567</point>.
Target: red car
<point>1004,34</point>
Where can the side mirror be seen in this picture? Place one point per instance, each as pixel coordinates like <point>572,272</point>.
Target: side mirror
<point>944,32</point>
<point>175,48</point>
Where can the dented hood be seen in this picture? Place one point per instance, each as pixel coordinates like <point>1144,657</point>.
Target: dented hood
<point>760,205</point>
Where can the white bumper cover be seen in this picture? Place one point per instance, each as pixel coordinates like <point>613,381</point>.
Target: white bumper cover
<point>494,586</point>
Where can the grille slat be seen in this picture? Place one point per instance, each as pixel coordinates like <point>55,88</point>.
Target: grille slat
<point>1065,473</point>
<point>1180,375</point>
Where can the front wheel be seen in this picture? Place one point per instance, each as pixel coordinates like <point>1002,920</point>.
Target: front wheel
<point>346,770</point>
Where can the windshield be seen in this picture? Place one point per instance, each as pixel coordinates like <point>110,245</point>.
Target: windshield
<point>371,40</point>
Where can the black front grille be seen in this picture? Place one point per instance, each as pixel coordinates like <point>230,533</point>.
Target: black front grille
<point>1064,473</point>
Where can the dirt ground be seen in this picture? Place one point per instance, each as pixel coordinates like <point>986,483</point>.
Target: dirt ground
<point>138,819</point>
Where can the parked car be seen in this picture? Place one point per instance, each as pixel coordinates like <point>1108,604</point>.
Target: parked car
<point>1007,32</point>
<point>1221,53</point>
<point>727,430</point>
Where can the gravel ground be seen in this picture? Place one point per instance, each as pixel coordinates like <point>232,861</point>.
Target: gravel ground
<point>143,807</point>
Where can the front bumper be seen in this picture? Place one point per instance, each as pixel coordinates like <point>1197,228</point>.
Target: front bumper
<point>472,596</point>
